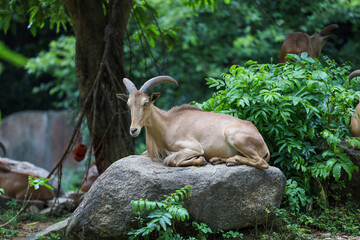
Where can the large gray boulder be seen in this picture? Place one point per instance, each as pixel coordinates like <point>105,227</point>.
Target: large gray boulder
<point>23,166</point>
<point>39,137</point>
<point>222,197</point>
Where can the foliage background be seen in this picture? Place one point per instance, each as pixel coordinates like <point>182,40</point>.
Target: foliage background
<point>190,46</point>
<point>186,40</point>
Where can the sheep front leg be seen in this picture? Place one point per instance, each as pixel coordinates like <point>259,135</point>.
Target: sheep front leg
<point>187,156</point>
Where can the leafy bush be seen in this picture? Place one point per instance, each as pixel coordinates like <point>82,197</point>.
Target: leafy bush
<point>58,62</point>
<point>343,219</point>
<point>288,224</point>
<point>167,216</point>
<point>295,196</point>
<point>301,108</point>
<point>166,212</point>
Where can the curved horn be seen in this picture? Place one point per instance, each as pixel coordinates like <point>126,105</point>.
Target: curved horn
<point>129,85</point>
<point>328,28</point>
<point>355,73</point>
<point>151,83</point>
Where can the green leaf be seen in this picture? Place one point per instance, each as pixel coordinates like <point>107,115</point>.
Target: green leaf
<point>337,171</point>
<point>134,205</point>
<point>12,57</point>
<point>162,224</point>
<point>319,75</point>
<point>141,204</point>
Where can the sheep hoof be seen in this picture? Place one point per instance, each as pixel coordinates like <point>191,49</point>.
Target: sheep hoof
<point>215,160</point>
<point>230,164</point>
<point>204,162</point>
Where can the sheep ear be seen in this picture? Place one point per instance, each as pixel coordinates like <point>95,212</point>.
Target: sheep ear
<point>122,96</point>
<point>154,96</point>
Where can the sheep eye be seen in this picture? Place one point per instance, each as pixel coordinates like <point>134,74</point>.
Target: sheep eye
<point>145,104</point>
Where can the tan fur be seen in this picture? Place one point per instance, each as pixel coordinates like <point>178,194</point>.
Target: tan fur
<point>15,184</point>
<point>187,135</point>
<point>183,107</point>
<point>299,42</point>
<point>355,121</point>
<point>90,178</point>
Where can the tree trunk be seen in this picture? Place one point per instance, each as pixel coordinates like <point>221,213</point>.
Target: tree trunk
<point>100,30</point>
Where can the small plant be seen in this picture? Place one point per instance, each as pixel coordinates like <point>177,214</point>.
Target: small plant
<point>203,230</point>
<point>162,215</point>
<point>51,237</point>
<point>288,224</point>
<point>12,204</point>
<point>33,182</point>
<point>295,196</point>
<point>6,233</point>
<point>344,219</point>
<point>165,214</point>
<point>231,234</point>
<point>37,182</point>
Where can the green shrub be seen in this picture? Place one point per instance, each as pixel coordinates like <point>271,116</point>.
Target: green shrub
<point>58,62</point>
<point>163,215</point>
<point>295,196</point>
<point>344,219</point>
<point>166,220</point>
<point>301,108</point>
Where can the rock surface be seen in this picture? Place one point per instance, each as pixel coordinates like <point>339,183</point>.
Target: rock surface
<point>23,166</point>
<point>30,204</point>
<point>57,228</point>
<point>222,197</point>
<point>39,137</point>
<point>352,186</point>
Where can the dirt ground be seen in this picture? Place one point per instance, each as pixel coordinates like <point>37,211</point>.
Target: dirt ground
<point>30,228</point>
<point>329,236</point>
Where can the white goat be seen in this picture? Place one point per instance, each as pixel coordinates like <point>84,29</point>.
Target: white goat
<point>188,136</point>
<point>355,122</point>
<point>299,42</point>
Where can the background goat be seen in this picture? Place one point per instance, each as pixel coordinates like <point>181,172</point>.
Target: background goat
<point>15,184</point>
<point>299,42</point>
<point>89,178</point>
<point>188,136</point>
<point>355,122</point>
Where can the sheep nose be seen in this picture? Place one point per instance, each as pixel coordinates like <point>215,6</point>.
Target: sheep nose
<point>135,131</point>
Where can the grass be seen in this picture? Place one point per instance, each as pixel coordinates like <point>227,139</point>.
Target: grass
<point>13,229</point>
<point>287,224</point>
<point>344,219</point>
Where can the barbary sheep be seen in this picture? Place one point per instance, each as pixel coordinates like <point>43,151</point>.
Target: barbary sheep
<point>15,184</point>
<point>189,136</point>
<point>90,178</point>
<point>299,42</point>
<point>355,121</point>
